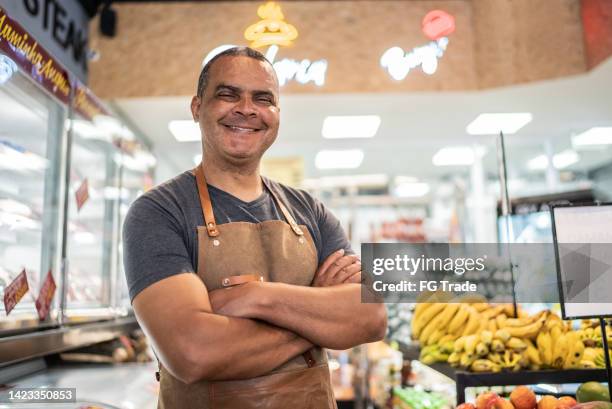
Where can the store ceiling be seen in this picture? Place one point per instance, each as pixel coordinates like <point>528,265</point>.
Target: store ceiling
<point>414,126</point>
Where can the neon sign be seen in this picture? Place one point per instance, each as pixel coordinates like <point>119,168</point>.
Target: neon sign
<point>436,25</point>
<point>272,29</point>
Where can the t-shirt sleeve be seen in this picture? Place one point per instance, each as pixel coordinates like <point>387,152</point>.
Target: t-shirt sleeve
<point>333,237</point>
<point>153,245</point>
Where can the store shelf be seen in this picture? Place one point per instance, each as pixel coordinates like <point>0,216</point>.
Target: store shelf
<point>19,348</point>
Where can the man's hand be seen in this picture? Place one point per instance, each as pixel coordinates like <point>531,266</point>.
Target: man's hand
<point>233,301</point>
<point>338,269</point>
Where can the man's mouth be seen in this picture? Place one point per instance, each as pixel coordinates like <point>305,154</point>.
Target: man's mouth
<point>242,128</point>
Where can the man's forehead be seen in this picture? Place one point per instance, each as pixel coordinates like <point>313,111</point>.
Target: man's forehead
<point>244,73</point>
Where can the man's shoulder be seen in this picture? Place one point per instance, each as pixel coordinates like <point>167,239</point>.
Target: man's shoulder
<point>170,196</point>
<point>293,194</point>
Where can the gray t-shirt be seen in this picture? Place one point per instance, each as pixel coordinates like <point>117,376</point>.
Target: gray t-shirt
<point>160,235</point>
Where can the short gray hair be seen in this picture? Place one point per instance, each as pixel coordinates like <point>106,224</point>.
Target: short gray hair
<point>230,52</point>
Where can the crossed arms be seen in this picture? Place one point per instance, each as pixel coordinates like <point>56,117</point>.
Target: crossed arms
<point>249,330</point>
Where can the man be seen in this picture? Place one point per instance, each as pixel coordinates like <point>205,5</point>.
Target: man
<point>272,285</point>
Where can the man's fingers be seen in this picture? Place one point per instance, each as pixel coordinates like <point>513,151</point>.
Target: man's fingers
<point>340,264</point>
<point>330,260</point>
<point>347,272</point>
<point>355,278</point>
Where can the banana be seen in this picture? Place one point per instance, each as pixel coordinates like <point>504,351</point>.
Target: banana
<point>492,312</point>
<point>473,322</point>
<point>425,317</point>
<point>482,349</point>
<point>575,351</point>
<point>497,346</point>
<point>459,319</point>
<point>524,360</point>
<point>484,365</point>
<point>480,306</point>
<point>560,349</point>
<point>429,329</point>
<point>447,347</point>
<point>586,364</point>
<point>528,331</point>
<point>486,337</point>
<point>447,338</point>
<point>495,358</point>
<point>516,344</point>
<point>503,335</point>
<point>459,344</point>
<point>590,354</point>
<point>511,360</point>
<point>466,360</point>
<point>492,325</point>
<point>501,320</point>
<point>520,322</point>
<point>470,344</point>
<point>533,354</point>
<point>448,313</point>
<point>435,337</point>
<point>454,358</point>
<point>545,347</point>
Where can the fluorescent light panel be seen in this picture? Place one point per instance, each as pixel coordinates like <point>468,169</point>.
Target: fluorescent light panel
<point>494,123</point>
<point>340,127</point>
<point>561,160</point>
<point>599,135</point>
<point>185,130</point>
<point>344,159</point>
<point>454,156</point>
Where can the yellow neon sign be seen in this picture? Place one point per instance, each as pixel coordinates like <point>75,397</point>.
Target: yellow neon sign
<point>272,29</point>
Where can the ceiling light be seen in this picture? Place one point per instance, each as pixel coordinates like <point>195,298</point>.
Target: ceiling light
<point>492,124</point>
<point>566,158</point>
<point>185,130</point>
<point>345,159</point>
<point>540,162</point>
<point>364,126</point>
<point>373,180</point>
<point>454,156</point>
<point>412,189</point>
<point>599,135</point>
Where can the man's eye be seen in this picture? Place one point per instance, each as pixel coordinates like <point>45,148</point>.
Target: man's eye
<point>267,100</point>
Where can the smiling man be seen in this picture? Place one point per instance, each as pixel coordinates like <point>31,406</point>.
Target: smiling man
<point>241,282</point>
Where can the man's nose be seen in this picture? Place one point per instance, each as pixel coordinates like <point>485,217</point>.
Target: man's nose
<point>245,107</point>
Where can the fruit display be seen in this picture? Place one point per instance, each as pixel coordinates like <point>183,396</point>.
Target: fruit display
<point>410,398</point>
<point>590,395</point>
<point>482,337</point>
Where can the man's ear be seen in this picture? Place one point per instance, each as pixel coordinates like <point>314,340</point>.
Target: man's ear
<point>195,108</point>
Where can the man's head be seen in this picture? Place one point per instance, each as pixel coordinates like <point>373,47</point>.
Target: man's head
<point>236,106</point>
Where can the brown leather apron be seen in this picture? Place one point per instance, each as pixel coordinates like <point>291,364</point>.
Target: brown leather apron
<point>234,253</point>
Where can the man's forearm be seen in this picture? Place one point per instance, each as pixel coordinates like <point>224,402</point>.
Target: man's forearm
<point>332,317</point>
<point>225,348</point>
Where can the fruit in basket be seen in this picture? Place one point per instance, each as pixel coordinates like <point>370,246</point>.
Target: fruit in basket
<point>592,391</point>
<point>484,399</point>
<point>567,401</point>
<point>501,403</point>
<point>523,398</point>
<point>548,402</point>
<point>466,406</point>
<point>485,365</point>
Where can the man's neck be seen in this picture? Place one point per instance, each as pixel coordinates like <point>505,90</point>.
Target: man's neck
<point>244,182</point>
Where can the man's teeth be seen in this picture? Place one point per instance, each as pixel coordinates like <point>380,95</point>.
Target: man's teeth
<point>237,128</point>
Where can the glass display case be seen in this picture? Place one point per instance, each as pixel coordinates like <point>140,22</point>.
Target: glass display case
<point>31,161</point>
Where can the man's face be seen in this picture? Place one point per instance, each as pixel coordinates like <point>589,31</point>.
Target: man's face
<point>238,112</point>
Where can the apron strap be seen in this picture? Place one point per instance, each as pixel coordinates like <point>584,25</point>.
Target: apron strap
<point>209,217</point>
<point>294,226</point>
<point>207,210</point>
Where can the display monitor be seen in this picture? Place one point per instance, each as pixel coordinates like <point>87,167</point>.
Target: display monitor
<point>582,236</point>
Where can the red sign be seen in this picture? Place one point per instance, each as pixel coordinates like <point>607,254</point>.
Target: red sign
<point>32,58</point>
<point>82,194</point>
<point>14,292</point>
<point>43,302</point>
<point>437,24</point>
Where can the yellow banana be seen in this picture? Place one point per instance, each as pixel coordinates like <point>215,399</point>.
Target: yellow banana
<point>528,331</point>
<point>459,319</point>
<point>447,338</point>
<point>575,351</point>
<point>516,344</point>
<point>482,349</point>
<point>492,312</point>
<point>495,357</point>
<point>501,320</point>
<point>435,336</point>
<point>473,322</point>
<point>503,335</point>
<point>533,354</point>
<point>560,349</point>
<point>545,347</point>
<point>484,365</point>
<point>486,337</point>
<point>470,344</point>
<point>492,326</point>
<point>454,358</point>
<point>466,359</point>
<point>459,344</point>
<point>497,345</point>
<point>590,354</point>
<point>425,317</point>
<point>586,364</point>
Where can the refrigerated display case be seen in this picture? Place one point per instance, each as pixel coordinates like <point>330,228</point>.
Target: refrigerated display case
<point>31,161</point>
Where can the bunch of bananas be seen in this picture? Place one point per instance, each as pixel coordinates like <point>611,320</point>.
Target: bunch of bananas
<point>591,336</point>
<point>559,346</point>
<point>492,352</point>
<point>593,358</point>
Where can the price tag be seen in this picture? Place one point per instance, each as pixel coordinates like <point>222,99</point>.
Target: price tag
<point>82,194</point>
<point>14,292</point>
<point>43,302</point>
